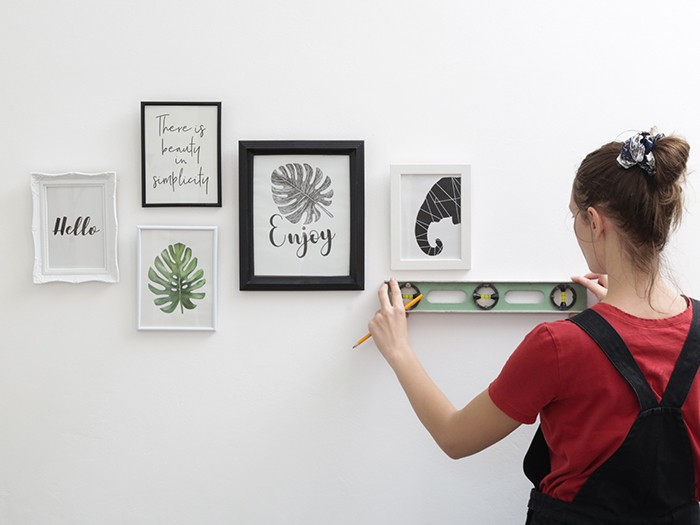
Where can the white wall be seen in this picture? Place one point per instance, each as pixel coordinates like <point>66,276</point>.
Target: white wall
<point>273,418</point>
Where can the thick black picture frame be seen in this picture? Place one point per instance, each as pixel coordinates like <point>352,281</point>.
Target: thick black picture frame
<point>248,150</point>
<point>144,167</point>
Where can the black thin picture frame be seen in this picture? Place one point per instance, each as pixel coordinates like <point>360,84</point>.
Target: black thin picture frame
<point>248,152</point>
<point>148,172</point>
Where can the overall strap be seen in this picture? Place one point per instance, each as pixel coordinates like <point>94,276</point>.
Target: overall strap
<point>619,355</point>
<point>687,365</point>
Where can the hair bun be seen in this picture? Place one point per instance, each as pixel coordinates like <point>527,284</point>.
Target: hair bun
<point>671,154</point>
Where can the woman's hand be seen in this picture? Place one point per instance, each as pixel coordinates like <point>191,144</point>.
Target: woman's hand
<point>596,283</point>
<point>458,432</point>
<point>388,327</point>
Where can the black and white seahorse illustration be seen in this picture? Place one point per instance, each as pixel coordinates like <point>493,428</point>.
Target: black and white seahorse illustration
<point>443,200</point>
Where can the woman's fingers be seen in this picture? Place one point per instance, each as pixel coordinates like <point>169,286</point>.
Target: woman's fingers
<point>383,296</point>
<point>597,284</point>
<point>396,298</point>
<point>390,295</point>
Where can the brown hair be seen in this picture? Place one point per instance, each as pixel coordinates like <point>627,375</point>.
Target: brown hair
<point>645,207</point>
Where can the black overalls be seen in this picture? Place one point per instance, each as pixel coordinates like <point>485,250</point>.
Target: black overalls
<point>650,479</point>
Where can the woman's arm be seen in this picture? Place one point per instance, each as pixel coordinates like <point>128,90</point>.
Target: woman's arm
<point>459,433</point>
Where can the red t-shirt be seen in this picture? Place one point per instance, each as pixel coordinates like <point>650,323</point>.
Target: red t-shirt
<point>586,407</point>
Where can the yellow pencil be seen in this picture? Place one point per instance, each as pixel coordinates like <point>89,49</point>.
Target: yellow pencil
<point>408,305</point>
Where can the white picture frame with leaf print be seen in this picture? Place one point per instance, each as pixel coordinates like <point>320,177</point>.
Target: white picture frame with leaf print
<point>74,226</point>
<point>177,277</point>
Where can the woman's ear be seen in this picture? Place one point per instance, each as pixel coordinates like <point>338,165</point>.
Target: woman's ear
<point>596,221</point>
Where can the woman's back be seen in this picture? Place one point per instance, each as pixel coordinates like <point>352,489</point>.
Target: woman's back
<point>586,406</point>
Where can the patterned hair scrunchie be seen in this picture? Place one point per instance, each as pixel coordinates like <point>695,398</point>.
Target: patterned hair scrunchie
<point>637,150</point>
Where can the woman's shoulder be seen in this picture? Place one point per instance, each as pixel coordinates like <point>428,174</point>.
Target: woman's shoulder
<point>628,321</point>
<point>554,332</point>
<point>645,314</point>
<point>562,338</point>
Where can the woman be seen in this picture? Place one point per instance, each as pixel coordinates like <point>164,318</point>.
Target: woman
<point>619,440</point>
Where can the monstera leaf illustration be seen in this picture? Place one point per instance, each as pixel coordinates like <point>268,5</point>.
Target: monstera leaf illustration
<point>298,190</point>
<point>175,279</point>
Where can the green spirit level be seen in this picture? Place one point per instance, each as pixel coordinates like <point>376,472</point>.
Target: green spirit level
<point>506,297</point>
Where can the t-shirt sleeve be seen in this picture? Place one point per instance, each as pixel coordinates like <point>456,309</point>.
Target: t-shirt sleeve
<point>530,378</point>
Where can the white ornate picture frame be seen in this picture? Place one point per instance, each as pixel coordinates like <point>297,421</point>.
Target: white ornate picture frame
<point>177,277</point>
<point>74,227</point>
<point>430,217</point>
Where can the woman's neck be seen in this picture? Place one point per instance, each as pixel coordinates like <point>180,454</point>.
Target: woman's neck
<point>642,295</point>
<point>639,293</point>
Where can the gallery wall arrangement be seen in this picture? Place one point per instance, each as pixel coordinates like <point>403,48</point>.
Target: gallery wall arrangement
<point>301,221</point>
<point>301,217</point>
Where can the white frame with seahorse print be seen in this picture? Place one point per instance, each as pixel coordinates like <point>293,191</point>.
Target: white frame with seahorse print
<point>157,308</point>
<point>430,217</point>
